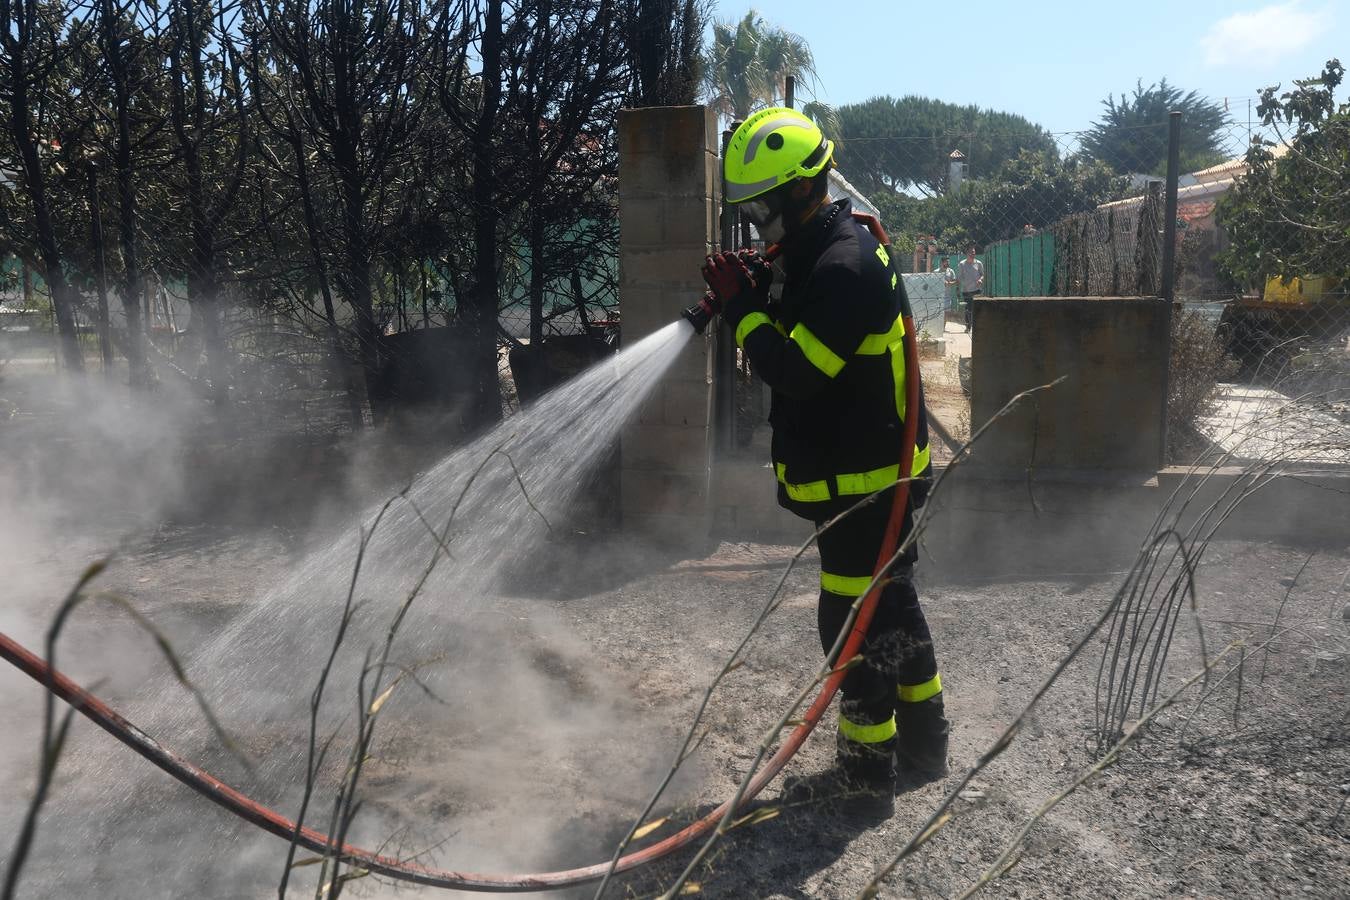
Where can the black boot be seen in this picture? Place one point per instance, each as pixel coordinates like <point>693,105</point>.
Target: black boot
<point>861,786</point>
<point>921,741</point>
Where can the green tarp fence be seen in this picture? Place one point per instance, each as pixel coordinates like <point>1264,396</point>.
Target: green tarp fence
<point>1020,267</point>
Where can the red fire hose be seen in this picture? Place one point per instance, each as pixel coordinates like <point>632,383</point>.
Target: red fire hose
<point>273,822</point>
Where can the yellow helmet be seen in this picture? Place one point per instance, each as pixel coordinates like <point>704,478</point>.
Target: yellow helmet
<point>773,146</point>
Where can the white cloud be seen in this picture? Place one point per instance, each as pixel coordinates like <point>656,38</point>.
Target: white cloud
<point>1264,34</point>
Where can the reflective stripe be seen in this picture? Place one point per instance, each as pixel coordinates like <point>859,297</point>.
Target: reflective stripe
<point>822,357</point>
<point>883,255</point>
<point>811,492</point>
<point>844,585</point>
<point>738,192</point>
<point>917,693</point>
<point>898,374</point>
<point>922,454</point>
<point>879,479</point>
<point>877,344</point>
<point>868,482</point>
<point>894,278</point>
<point>854,483</point>
<point>867,734</point>
<point>922,457</point>
<point>749,324</point>
<point>775,122</point>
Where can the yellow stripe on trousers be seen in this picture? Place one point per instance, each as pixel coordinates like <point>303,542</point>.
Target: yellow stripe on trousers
<point>917,693</point>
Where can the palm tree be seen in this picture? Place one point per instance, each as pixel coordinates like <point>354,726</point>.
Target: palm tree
<point>827,117</point>
<point>733,75</point>
<point>783,53</point>
<point>748,65</point>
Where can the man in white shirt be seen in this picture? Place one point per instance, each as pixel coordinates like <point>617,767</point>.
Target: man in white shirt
<point>970,275</point>
<point>948,280</point>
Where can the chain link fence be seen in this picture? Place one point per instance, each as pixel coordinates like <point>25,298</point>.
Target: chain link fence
<point>575,318</point>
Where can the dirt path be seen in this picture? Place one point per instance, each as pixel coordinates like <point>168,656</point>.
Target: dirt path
<point>946,383</point>
<point>621,638</point>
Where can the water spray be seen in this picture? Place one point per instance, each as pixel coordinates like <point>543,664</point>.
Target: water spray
<point>273,822</point>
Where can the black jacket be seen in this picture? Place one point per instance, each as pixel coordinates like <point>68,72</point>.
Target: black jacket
<point>831,351</point>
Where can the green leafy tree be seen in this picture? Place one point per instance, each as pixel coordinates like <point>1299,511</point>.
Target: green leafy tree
<point>748,64</point>
<point>1290,215</point>
<point>906,143</point>
<point>1131,135</point>
<point>1034,189</point>
<point>783,53</point>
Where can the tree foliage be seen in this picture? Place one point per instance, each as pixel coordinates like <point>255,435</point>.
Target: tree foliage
<point>665,46</point>
<point>1036,190</point>
<point>357,170</point>
<point>43,129</point>
<point>748,64</point>
<point>1131,135</point>
<point>906,143</point>
<point>1032,189</point>
<point>1289,216</point>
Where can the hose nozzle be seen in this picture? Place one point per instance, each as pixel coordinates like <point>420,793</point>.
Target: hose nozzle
<point>701,313</point>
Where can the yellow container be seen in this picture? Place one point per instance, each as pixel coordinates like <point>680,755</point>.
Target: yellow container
<point>1299,290</point>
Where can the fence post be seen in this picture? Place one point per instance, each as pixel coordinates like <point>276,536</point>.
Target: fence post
<point>1170,208</point>
<point>668,225</point>
<point>1169,262</point>
<point>100,269</point>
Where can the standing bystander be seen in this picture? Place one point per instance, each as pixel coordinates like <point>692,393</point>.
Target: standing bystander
<point>949,281</point>
<point>970,274</point>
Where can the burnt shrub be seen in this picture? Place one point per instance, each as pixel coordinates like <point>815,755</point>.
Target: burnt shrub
<point>1199,362</point>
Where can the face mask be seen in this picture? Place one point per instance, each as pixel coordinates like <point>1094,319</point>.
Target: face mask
<point>767,218</point>
<point>772,231</point>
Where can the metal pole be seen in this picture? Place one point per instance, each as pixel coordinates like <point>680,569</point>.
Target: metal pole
<point>100,269</point>
<point>1169,256</point>
<point>1169,253</point>
<point>790,91</point>
<point>728,219</point>
<point>724,354</point>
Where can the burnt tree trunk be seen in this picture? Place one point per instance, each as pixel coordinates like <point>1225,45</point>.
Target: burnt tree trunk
<point>355,268</point>
<point>17,38</point>
<point>206,206</point>
<point>481,319</point>
<point>349,385</point>
<point>132,283</point>
<point>538,270</point>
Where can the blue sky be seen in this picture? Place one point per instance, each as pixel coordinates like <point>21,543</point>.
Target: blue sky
<point>1055,61</point>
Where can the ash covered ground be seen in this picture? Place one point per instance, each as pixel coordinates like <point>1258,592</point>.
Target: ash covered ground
<point>568,692</point>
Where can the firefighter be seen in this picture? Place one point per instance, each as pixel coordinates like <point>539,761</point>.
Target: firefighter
<point>831,349</point>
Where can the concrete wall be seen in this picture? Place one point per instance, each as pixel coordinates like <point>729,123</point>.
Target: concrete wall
<point>1060,524</point>
<point>668,211</point>
<point>746,505</point>
<point>1108,414</point>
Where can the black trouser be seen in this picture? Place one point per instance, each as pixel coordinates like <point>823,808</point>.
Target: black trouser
<point>968,300</point>
<point>898,659</point>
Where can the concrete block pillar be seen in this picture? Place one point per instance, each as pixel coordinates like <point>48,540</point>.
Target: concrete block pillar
<point>669,190</point>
